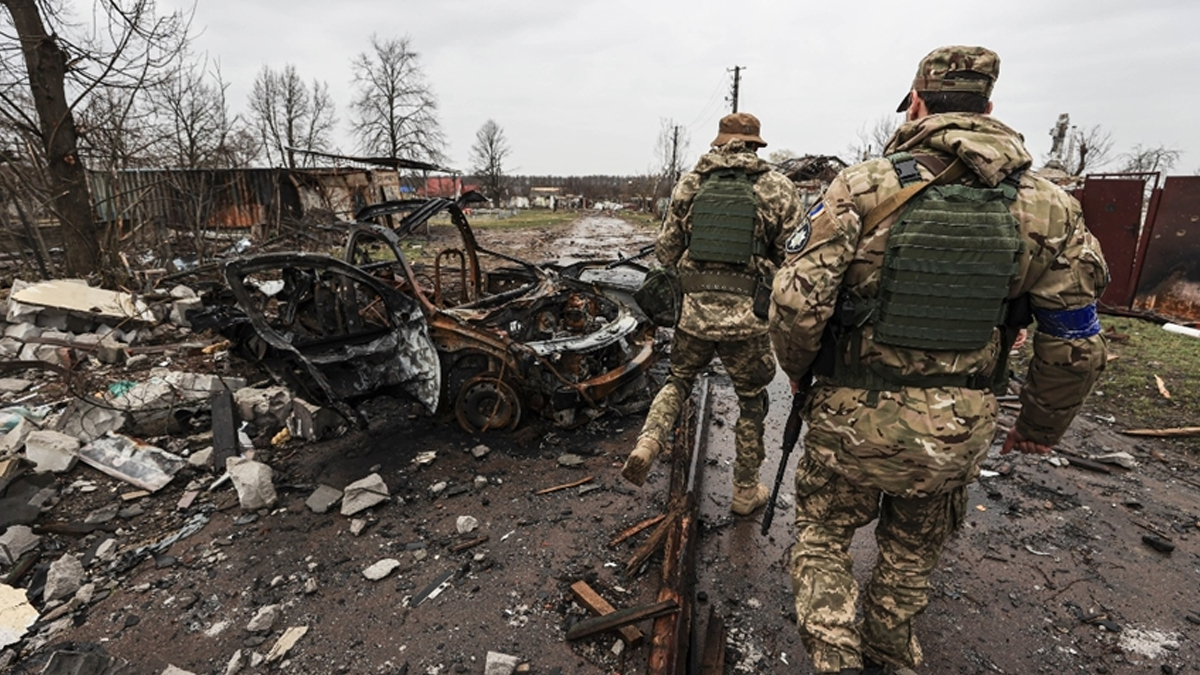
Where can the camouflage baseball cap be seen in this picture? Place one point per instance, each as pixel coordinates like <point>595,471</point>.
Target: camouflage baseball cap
<point>738,126</point>
<point>934,69</point>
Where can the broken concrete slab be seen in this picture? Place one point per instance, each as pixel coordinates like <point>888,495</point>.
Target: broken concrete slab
<point>87,421</point>
<point>285,643</point>
<point>180,308</point>
<point>76,296</point>
<point>267,408</point>
<point>15,542</point>
<point>175,670</point>
<point>253,482</point>
<point>323,498</point>
<point>22,331</point>
<point>263,619</point>
<point>379,570</point>
<point>64,578</point>
<point>16,615</point>
<point>132,461</point>
<point>51,451</point>
<point>363,494</point>
<point>14,385</point>
<point>497,663</point>
<point>14,440</point>
<point>201,459</point>
<point>71,662</point>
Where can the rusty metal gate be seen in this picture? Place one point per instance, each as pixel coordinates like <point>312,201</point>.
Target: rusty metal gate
<point>1112,210</point>
<point>1169,280</point>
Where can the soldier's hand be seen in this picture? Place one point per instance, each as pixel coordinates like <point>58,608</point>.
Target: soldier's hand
<point>1015,441</point>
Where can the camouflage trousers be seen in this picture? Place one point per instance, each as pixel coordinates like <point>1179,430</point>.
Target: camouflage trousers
<point>910,534</point>
<point>750,364</point>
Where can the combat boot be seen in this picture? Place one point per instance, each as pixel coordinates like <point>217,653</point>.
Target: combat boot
<point>749,498</point>
<point>637,466</point>
<point>873,668</point>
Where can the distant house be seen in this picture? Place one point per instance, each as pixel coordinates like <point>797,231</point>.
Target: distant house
<point>448,187</point>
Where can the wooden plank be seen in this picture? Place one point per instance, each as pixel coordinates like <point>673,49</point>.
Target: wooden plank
<point>589,598</point>
<point>224,428</point>
<point>1173,432</point>
<point>619,618</point>
<point>565,486</point>
<point>713,662</point>
<point>462,546</point>
<point>670,640</point>
<point>657,537</point>
<point>649,522</point>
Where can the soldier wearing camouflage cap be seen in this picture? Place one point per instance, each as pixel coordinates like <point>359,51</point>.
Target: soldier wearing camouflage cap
<point>724,235</point>
<point>902,292</point>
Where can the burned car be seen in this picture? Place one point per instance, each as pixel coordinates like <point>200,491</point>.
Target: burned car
<point>486,336</point>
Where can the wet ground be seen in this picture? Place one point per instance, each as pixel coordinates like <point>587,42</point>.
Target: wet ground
<point>1050,574</point>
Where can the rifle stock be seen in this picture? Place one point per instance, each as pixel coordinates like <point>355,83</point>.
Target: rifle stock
<point>791,434</point>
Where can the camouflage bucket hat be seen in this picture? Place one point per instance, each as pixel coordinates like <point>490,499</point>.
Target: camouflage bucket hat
<point>937,71</point>
<point>738,126</point>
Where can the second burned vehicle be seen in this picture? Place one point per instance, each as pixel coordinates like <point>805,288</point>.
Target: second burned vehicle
<point>490,337</point>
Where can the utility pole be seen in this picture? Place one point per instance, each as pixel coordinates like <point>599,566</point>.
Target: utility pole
<point>733,92</point>
<point>674,155</point>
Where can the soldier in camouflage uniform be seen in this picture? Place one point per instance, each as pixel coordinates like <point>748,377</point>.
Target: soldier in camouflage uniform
<point>897,432</point>
<point>719,314</point>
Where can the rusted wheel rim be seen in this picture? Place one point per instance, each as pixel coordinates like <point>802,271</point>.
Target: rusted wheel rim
<point>485,403</point>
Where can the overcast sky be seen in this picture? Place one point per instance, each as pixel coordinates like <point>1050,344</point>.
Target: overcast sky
<point>580,86</point>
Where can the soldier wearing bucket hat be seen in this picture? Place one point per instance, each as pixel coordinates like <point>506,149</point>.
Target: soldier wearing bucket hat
<point>725,232</point>
<point>916,272</point>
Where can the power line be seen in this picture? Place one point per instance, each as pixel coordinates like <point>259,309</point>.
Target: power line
<point>704,112</point>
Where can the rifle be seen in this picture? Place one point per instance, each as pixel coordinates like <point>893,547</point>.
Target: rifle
<point>791,434</point>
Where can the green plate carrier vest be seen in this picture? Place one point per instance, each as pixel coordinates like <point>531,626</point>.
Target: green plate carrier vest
<point>723,214</point>
<point>950,258</point>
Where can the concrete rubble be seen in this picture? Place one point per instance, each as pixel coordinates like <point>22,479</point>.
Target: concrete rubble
<point>64,578</point>
<point>380,570</point>
<point>16,615</point>
<point>16,542</point>
<point>252,480</point>
<point>51,451</point>
<point>263,619</point>
<point>323,498</point>
<point>363,494</point>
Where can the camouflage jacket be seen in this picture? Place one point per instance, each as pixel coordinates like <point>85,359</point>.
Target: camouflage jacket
<point>716,315</point>
<point>921,441</point>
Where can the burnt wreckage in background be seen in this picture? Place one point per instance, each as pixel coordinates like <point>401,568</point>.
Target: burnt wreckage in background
<point>490,343</point>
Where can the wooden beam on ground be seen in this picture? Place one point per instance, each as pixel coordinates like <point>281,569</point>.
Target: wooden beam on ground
<point>597,605</point>
<point>619,618</point>
<point>657,538</point>
<point>224,428</point>
<point>713,662</point>
<point>670,640</point>
<point>462,546</point>
<point>1173,432</point>
<point>625,534</point>
<point>565,486</point>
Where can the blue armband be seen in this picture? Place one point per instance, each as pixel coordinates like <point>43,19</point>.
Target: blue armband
<point>1068,324</point>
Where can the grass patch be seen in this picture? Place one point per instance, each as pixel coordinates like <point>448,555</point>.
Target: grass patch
<point>1127,389</point>
<point>522,218</point>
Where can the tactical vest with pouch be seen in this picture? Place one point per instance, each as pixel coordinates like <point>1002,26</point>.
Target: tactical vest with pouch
<point>947,266</point>
<point>724,211</point>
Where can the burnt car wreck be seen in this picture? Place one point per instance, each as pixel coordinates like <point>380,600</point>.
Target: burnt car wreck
<point>463,330</point>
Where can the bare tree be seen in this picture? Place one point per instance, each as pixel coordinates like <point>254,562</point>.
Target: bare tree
<point>780,156</point>
<point>487,159</point>
<point>1077,150</point>
<point>394,112</point>
<point>288,115</point>
<point>61,65</point>
<point>197,129</point>
<point>670,153</point>
<point>871,142</point>
<point>1142,159</point>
